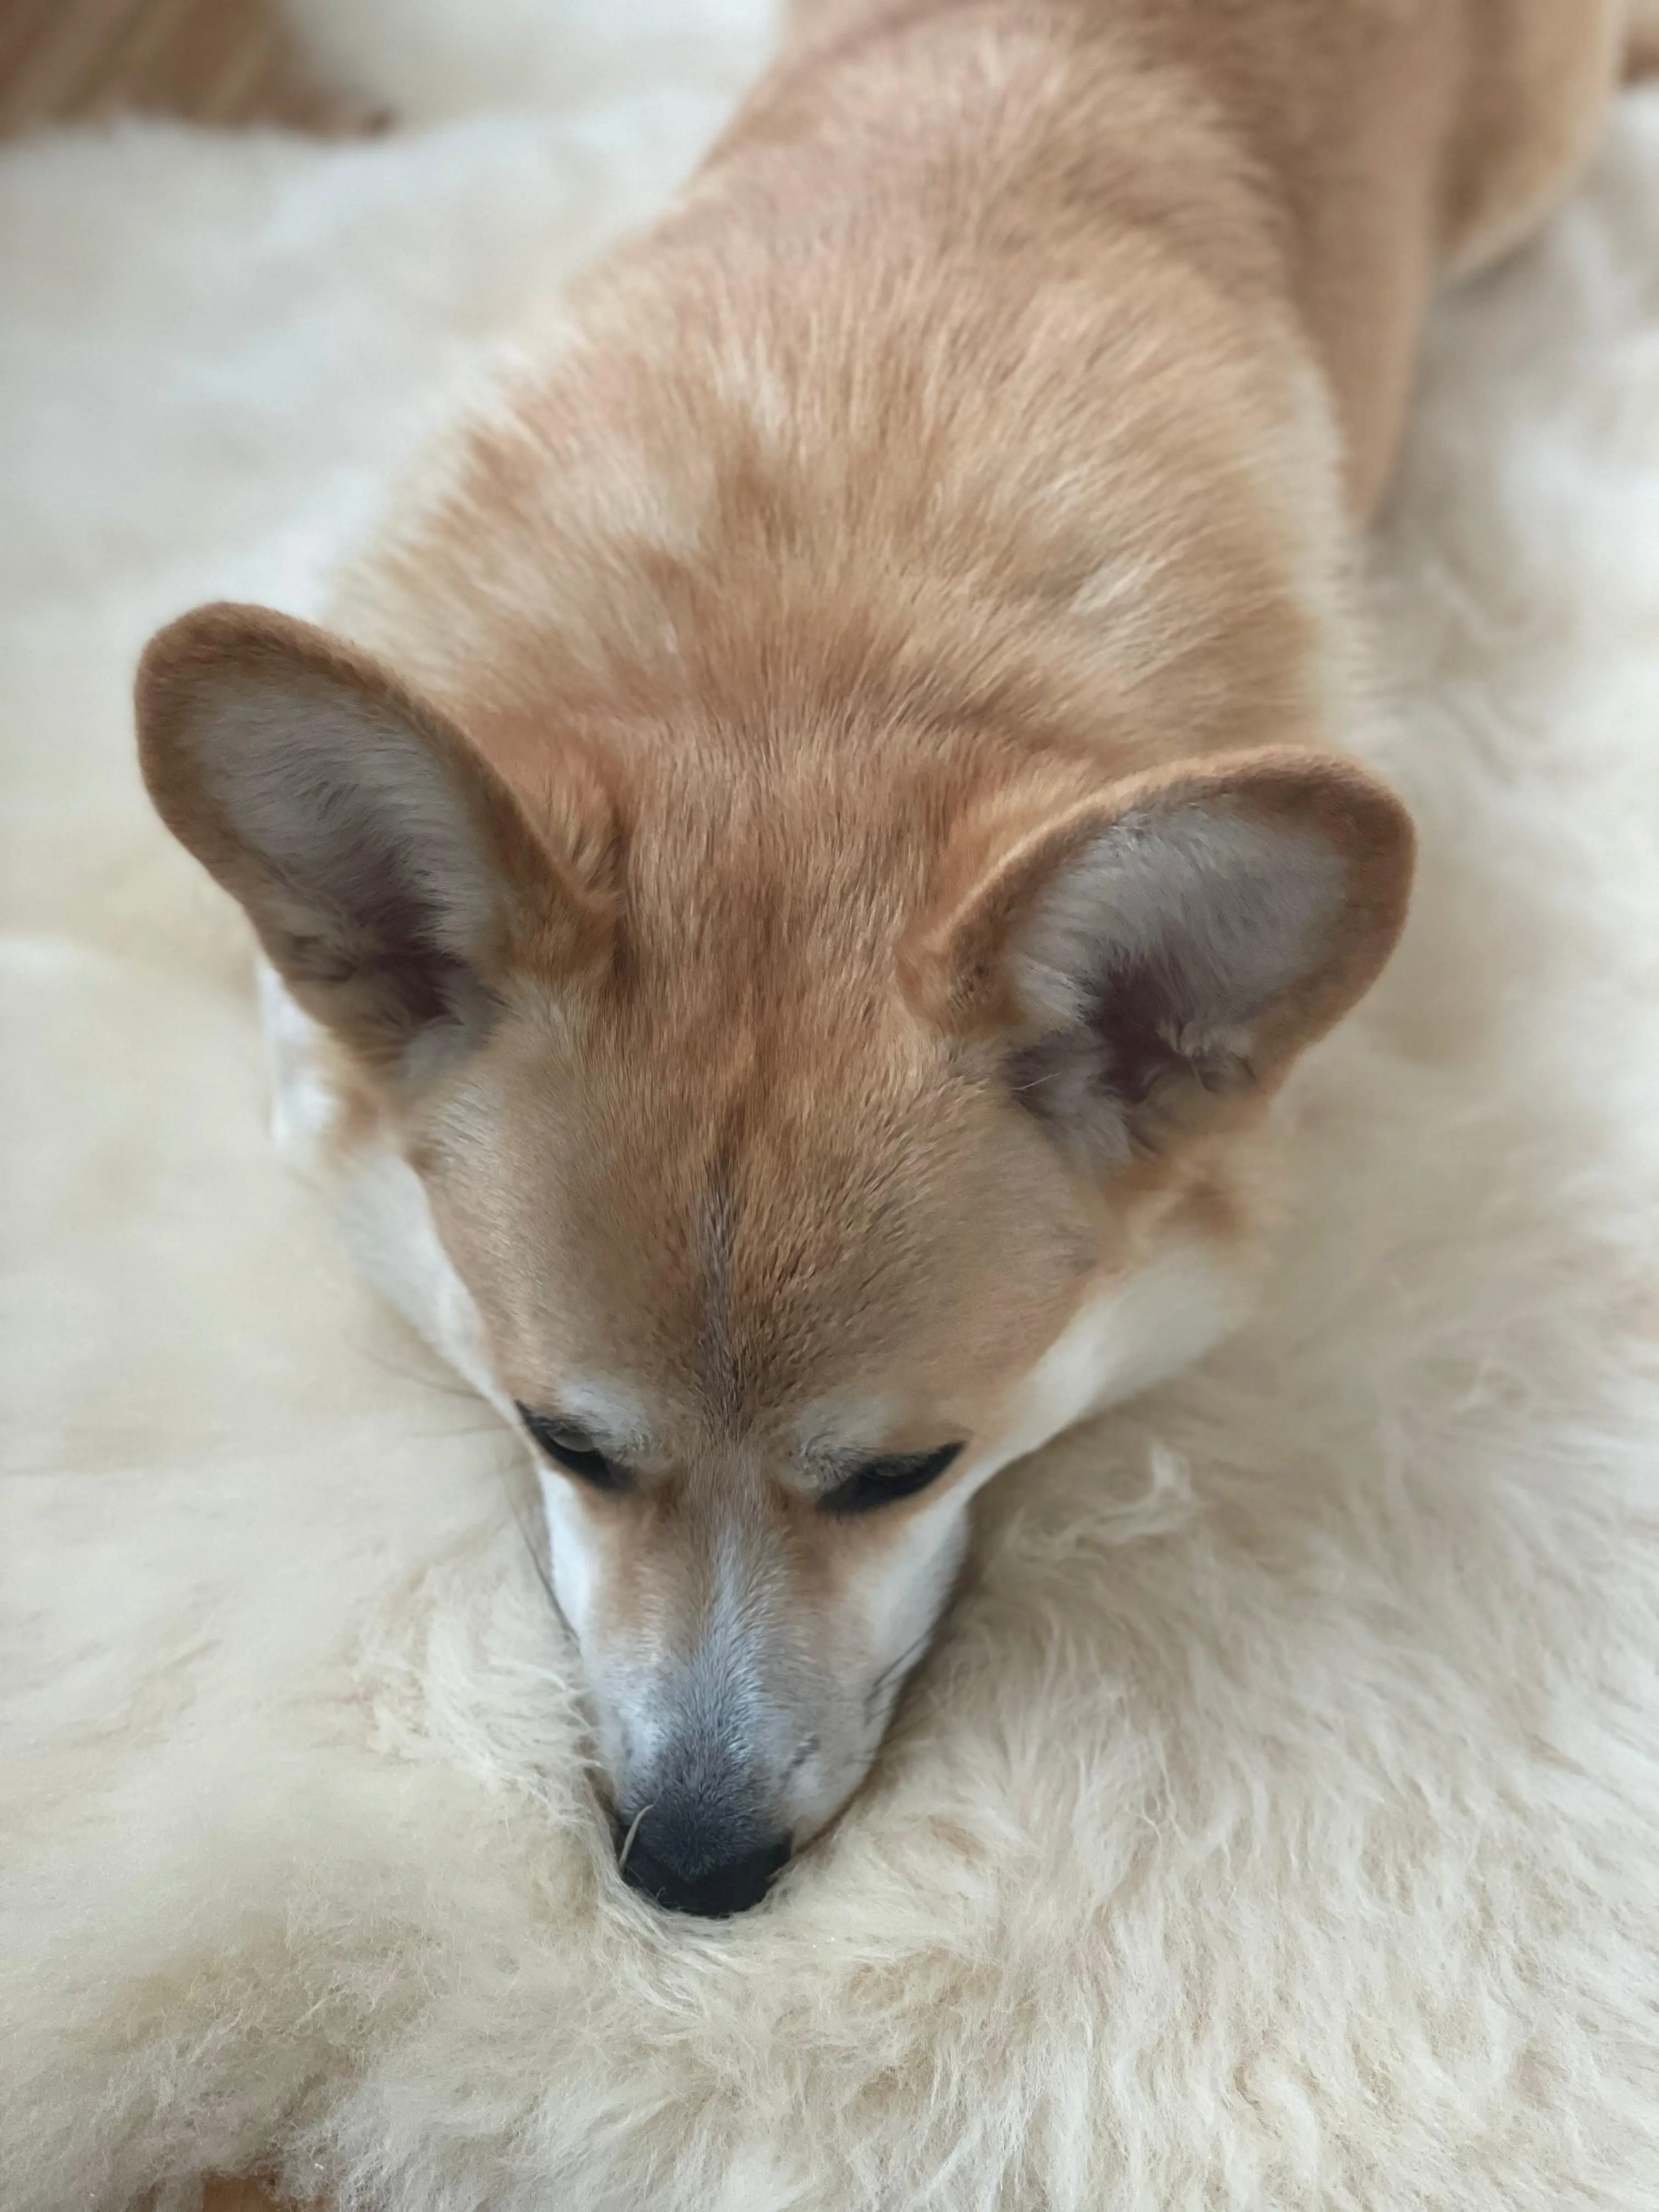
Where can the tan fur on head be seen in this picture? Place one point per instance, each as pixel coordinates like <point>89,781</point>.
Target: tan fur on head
<point>857,834</point>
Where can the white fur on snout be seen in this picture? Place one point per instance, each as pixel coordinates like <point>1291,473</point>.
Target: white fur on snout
<point>572,1563</point>
<point>900,1598</point>
<point>1129,1336</point>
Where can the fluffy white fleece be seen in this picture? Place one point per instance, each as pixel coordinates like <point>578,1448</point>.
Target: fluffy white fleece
<point>1278,1823</point>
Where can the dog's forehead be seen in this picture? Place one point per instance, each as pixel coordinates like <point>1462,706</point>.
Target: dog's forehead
<point>767,1249</point>
<point>750,1182</point>
<point>746,1221</point>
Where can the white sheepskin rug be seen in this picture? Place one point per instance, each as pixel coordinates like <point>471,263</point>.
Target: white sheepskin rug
<point>1277,1824</point>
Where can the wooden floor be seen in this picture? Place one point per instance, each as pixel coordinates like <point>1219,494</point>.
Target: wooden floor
<point>219,62</point>
<point>238,2197</point>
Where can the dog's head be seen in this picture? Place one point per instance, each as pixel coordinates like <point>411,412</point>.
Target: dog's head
<point>807,1157</point>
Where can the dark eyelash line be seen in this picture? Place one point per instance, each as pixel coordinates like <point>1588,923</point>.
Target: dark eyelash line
<point>885,1481</point>
<point>572,1449</point>
<point>879,1482</point>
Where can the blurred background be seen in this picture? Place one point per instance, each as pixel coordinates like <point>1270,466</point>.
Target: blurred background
<point>221,62</point>
<point>342,68</point>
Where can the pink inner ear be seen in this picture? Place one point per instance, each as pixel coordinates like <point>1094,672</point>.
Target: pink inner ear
<point>390,873</point>
<point>351,810</point>
<point>1201,916</point>
<point>1181,933</point>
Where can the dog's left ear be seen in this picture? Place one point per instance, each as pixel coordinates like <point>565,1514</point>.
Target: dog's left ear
<point>392,877</point>
<point>1171,941</point>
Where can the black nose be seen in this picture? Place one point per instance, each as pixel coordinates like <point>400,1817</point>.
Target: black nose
<point>711,1867</point>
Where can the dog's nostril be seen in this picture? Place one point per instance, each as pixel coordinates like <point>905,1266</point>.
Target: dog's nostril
<point>713,1871</point>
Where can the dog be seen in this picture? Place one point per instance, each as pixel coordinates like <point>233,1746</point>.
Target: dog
<point>821,822</point>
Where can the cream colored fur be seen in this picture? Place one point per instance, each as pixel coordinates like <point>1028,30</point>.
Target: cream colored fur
<point>1275,1823</point>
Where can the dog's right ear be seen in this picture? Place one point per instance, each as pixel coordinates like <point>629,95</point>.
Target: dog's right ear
<point>392,877</point>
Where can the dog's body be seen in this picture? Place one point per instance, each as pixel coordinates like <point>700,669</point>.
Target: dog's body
<point>791,991</point>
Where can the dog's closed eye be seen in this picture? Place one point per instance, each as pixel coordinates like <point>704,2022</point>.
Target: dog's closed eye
<point>883,1481</point>
<point>572,1447</point>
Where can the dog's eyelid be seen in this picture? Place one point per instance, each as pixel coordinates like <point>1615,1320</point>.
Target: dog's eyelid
<point>572,1446</point>
<point>885,1477</point>
<point>568,1431</point>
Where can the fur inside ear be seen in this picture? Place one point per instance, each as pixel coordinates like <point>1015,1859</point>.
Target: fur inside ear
<point>384,867</point>
<point>1178,940</point>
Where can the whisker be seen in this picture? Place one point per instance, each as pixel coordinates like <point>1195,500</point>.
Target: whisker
<point>627,1840</point>
<point>491,1423</point>
<point>911,1651</point>
<point>489,1428</point>
<point>440,1383</point>
<point>542,1575</point>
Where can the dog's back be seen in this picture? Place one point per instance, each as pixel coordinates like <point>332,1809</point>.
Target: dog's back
<point>990,332</point>
<point>1401,139</point>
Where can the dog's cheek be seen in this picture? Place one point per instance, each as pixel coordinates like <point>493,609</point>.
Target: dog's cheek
<point>574,1558</point>
<point>902,1594</point>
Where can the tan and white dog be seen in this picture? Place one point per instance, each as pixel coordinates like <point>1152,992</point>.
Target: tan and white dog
<point>789,896</point>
